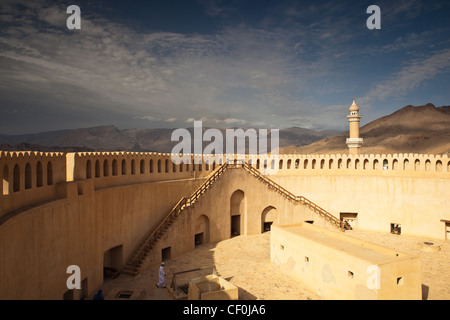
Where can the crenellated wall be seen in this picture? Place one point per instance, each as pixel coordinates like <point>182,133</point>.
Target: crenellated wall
<point>118,168</point>
<point>59,209</point>
<point>29,178</point>
<point>395,164</point>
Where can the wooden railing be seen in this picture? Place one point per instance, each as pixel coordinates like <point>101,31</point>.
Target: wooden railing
<point>272,183</point>
<point>343,225</point>
<point>138,257</point>
<point>205,185</point>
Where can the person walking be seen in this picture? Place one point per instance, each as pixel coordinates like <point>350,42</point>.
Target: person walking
<point>162,275</point>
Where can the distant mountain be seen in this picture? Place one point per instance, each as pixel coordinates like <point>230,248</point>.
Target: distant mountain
<point>412,129</point>
<point>35,147</point>
<point>109,138</point>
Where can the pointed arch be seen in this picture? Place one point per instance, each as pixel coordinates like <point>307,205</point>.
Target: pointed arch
<point>39,175</point>
<point>28,176</point>
<point>142,166</point>
<point>268,217</point>
<point>16,178</point>
<point>238,209</point>
<point>88,169</point>
<point>151,166</point>
<point>49,173</point>
<point>202,230</point>
<point>438,166</point>
<point>97,169</point>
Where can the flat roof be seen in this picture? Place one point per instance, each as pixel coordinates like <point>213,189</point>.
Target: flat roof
<point>362,249</point>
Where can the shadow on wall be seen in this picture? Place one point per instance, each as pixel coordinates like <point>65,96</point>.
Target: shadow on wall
<point>202,256</point>
<point>425,290</point>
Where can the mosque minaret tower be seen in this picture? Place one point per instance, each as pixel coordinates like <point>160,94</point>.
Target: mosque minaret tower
<point>354,142</point>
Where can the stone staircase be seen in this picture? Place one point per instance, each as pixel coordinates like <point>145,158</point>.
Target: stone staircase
<point>134,263</point>
<point>342,225</point>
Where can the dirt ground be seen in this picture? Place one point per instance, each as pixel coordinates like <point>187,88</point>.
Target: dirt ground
<point>245,262</point>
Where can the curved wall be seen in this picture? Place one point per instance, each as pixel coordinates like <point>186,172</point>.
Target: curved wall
<point>62,209</point>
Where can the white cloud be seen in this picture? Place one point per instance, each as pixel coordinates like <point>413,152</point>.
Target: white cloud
<point>149,118</point>
<point>411,76</point>
<point>239,76</point>
<point>233,121</point>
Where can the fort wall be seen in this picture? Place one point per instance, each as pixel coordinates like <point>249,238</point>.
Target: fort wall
<point>29,178</point>
<point>410,190</point>
<point>39,244</point>
<point>236,193</point>
<point>344,268</point>
<point>87,208</point>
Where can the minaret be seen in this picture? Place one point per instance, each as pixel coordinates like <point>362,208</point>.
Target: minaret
<point>354,142</point>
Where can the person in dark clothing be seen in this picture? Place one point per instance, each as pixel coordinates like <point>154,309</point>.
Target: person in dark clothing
<point>99,295</point>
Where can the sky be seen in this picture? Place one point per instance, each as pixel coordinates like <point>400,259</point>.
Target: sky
<point>242,64</point>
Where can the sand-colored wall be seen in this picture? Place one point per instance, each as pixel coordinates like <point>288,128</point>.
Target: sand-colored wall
<point>39,244</point>
<point>29,178</point>
<point>212,287</point>
<point>417,200</point>
<point>214,208</point>
<point>412,190</point>
<point>344,268</point>
<point>87,209</point>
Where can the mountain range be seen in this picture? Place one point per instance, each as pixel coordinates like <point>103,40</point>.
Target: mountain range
<point>110,138</point>
<point>411,129</point>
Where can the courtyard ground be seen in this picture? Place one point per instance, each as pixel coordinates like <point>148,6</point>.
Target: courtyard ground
<point>245,262</point>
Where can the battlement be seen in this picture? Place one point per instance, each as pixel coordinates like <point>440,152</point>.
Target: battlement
<point>411,163</point>
<point>118,168</point>
<point>33,177</point>
<point>112,202</point>
<point>28,170</point>
<point>29,178</point>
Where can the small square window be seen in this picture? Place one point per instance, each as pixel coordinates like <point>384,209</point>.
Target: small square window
<point>396,228</point>
<point>306,259</point>
<point>350,274</point>
<point>400,281</point>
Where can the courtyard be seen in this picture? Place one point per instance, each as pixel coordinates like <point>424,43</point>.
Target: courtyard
<point>244,261</point>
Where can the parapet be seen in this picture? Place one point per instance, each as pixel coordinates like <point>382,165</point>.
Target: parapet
<point>33,177</point>
<point>384,162</point>
<point>29,178</point>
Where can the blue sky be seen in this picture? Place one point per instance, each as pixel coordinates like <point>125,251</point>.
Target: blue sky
<point>249,64</point>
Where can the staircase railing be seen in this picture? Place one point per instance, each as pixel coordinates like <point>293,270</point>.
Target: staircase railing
<point>343,225</point>
<point>139,255</point>
<point>205,185</point>
<point>272,183</point>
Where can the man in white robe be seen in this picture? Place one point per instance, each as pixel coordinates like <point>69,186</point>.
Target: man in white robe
<point>162,279</point>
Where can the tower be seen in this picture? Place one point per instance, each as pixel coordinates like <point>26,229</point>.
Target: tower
<point>354,142</point>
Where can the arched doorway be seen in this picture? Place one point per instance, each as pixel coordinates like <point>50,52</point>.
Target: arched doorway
<point>201,234</point>
<point>268,216</point>
<point>237,210</point>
